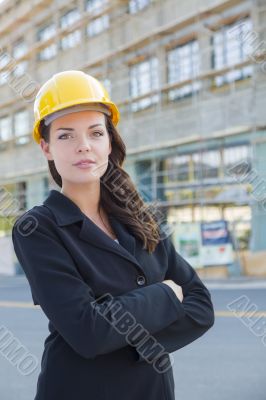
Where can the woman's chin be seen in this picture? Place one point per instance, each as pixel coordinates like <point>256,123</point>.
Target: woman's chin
<point>84,179</point>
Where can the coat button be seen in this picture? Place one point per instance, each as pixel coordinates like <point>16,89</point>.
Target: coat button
<point>141,280</point>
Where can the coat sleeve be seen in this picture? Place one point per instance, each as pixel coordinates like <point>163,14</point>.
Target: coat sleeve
<point>197,304</point>
<point>68,301</point>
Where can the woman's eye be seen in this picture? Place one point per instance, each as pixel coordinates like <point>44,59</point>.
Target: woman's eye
<point>64,134</point>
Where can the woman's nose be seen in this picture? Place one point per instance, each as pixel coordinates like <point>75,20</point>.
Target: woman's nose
<point>83,148</point>
<point>84,145</point>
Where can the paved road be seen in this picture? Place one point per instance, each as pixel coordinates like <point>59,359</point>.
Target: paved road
<point>228,362</point>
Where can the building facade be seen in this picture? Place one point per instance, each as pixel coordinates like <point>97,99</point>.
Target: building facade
<point>189,78</point>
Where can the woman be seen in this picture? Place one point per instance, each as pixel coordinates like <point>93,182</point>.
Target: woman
<point>117,295</point>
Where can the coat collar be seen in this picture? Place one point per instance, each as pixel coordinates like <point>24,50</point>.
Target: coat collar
<point>66,212</point>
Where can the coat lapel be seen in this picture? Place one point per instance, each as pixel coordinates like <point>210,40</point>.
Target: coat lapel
<point>66,212</point>
<point>91,233</point>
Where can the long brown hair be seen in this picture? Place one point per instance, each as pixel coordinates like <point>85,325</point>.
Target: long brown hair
<point>118,194</point>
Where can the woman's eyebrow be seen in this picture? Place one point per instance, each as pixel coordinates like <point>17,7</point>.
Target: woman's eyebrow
<point>65,129</point>
<point>71,129</point>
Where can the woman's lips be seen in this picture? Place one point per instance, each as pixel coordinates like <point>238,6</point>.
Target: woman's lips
<point>85,165</point>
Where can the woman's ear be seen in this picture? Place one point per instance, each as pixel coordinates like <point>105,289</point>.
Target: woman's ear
<point>46,149</point>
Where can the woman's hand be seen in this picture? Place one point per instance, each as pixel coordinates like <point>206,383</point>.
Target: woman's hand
<point>176,288</point>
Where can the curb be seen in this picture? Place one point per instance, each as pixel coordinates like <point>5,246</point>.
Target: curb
<point>236,283</point>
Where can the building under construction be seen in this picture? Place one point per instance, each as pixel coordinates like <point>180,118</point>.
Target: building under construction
<point>189,78</point>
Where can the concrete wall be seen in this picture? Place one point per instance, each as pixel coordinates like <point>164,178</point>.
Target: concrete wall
<point>7,257</point>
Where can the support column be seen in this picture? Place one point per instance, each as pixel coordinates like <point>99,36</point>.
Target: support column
<point>258,217</point>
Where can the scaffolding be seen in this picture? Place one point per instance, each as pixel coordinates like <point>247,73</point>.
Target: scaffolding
<point>188,127</point>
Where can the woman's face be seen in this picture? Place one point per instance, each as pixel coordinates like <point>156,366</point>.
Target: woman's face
<point>74,137</point>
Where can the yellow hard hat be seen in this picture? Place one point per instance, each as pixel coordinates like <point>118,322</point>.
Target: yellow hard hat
<point>67,89</point>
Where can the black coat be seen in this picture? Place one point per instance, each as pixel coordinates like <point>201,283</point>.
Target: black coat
<point>115,347</point>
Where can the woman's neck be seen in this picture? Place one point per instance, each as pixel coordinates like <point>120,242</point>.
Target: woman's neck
<point>87,199</point>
